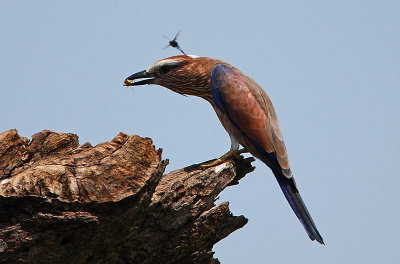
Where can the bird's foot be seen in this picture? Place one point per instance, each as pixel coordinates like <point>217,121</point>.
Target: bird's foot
<point>224,158</point>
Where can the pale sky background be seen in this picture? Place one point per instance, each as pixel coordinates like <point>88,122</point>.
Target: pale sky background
<point>331,68</point>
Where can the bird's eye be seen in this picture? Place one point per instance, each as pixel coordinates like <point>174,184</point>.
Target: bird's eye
<point>165,68</point>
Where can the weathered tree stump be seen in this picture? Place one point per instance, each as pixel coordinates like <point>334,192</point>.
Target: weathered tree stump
<point>65,203</point>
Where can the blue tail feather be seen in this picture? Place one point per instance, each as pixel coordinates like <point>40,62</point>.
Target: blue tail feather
<point>296,202</point>
<point>291,193</point>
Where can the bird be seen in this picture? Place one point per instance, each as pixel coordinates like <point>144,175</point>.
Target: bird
<point>244,110</point>
<point>174,43</point>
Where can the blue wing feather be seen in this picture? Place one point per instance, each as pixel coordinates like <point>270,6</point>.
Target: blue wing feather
<point>216,74</point>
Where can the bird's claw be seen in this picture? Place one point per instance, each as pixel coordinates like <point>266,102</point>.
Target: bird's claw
<point>224,158</point>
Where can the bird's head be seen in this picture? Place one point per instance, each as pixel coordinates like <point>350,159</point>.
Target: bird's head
<point>183,74</point>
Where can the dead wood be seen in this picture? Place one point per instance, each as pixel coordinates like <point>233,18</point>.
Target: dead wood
<point>112,203</point>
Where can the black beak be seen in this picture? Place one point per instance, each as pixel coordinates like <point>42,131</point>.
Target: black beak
<point>130,81</point>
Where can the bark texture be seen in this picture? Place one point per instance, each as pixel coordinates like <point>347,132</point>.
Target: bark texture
<point>65,203</point>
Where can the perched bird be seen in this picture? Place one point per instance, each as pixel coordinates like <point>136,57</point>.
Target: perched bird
<point>174,43</point>
<point>244,110</point>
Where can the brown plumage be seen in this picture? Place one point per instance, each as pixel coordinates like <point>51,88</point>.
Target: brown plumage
<point>244,109</point>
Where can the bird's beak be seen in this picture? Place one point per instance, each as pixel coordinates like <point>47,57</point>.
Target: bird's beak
<point>130,81</point>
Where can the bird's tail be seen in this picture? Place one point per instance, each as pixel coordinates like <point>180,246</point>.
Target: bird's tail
<point>293,196</point>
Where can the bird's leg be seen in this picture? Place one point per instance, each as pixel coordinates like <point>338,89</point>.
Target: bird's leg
<point>235,151</point>
<point>224,157</point>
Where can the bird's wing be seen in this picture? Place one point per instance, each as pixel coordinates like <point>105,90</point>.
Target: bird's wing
<point>250,109</point>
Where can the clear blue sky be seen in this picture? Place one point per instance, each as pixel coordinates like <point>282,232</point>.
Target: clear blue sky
<point>331,68</point>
